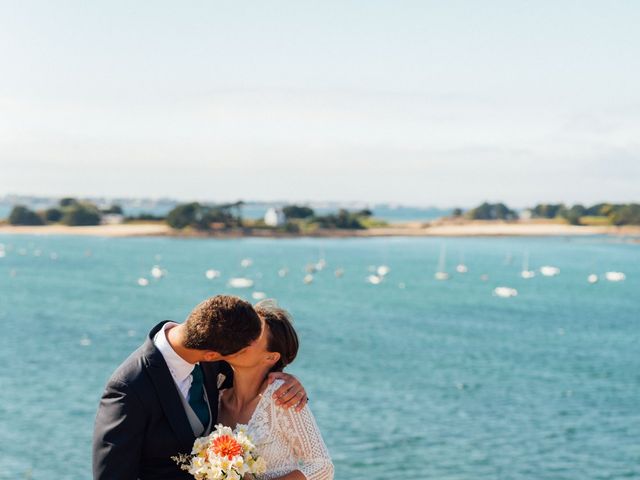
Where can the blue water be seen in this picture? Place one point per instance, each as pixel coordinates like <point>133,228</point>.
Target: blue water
<point>437,380</point>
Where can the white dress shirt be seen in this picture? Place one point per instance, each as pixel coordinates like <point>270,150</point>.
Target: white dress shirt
<point>180,369</point>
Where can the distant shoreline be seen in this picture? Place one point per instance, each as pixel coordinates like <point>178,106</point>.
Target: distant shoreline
<point>478,228</point>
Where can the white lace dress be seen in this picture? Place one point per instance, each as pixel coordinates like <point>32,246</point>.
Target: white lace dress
<point>288,440</point>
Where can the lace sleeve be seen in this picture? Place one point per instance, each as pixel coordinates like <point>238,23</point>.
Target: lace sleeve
<point>303,434</point>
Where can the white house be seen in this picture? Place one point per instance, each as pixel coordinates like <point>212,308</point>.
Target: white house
<point>112,219</point>
<point>274,217</point>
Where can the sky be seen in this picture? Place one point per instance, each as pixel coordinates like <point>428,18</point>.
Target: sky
<point>413,102</point>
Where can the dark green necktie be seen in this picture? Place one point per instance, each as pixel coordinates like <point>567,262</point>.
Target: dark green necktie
<point>196,396</point>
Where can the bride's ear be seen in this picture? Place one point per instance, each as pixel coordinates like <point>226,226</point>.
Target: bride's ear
<point>273,357</point>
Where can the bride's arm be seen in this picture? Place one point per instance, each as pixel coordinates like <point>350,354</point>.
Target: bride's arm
<point>295,475</point>
<point>302,433</point>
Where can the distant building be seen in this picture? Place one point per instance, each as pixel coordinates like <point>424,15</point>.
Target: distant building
<point>526,214</point>
<point>274,217</point>
<point>112,219</point>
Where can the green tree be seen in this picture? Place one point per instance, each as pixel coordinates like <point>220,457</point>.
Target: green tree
<point>364,213</point>
<point>625,214</point>
<point>52,215</point>
<point>574,214</point>
<point>21,215</point>
<point>599,210</point>
<point>492,211</point>
<point>81,214</point>
<point>218,215</point>
<point>185,215</point>
<point>114,210</point>
<point>547,210</point>
<point>200,216</point>
<point>67,202</point>
<point>297,211</point>
<point>342,220</point>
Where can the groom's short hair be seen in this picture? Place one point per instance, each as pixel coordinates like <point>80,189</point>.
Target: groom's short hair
<point>223,324</point>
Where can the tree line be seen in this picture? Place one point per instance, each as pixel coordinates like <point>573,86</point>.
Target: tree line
<point>199,216</point>
<point>193,215</point>
<point>69,211</point>
<point>604,213</point>
<point>297,218</point>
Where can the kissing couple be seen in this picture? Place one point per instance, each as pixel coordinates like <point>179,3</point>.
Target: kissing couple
<point>222,365</point>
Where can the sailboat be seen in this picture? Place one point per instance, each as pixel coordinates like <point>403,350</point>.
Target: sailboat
<point>441,274</point>
<point>549,271</point>
<point>461,267</point>
<point>526,273</point>
<point>505,292</point>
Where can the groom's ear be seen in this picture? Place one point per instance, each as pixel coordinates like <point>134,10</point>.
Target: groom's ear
<point>211,356</point>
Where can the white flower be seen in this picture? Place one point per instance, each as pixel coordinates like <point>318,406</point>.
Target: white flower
<point>233,475</point>
<point>260,466</point>
<point>204,464</point>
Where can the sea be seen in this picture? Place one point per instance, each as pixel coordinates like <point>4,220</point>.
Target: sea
<point>408,376</point>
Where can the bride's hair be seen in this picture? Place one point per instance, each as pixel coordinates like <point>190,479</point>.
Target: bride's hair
<point>282,336</point>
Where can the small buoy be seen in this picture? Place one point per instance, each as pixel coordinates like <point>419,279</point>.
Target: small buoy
<point>383,270</point>
<point>283,272</point>
<point>593,278</point>
<point>462,268</point>
<point>211,274</point>
<point>308,278</point>
<point>157,272</point>
<point>615,276</point>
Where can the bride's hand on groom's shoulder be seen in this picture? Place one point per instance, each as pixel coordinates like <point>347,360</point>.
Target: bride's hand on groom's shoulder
<point>291,393</point>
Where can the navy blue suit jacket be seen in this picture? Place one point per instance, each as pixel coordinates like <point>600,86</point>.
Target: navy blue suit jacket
<point>141,422</point>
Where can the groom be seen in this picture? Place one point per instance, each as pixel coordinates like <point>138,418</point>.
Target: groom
<point>166,393</point>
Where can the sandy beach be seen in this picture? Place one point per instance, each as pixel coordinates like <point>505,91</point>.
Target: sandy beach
<point>434,229</point>
<point>120,230</point>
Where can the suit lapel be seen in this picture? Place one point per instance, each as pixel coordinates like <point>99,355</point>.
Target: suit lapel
<point>210,372</point>
<point>167,391</point>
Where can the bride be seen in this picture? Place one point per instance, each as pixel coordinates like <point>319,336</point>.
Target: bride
<point>289,441</point>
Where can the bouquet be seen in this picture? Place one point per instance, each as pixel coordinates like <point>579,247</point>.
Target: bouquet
<point>223,455</point>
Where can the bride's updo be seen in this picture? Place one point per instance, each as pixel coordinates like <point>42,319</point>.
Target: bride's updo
<point>282,336</point>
